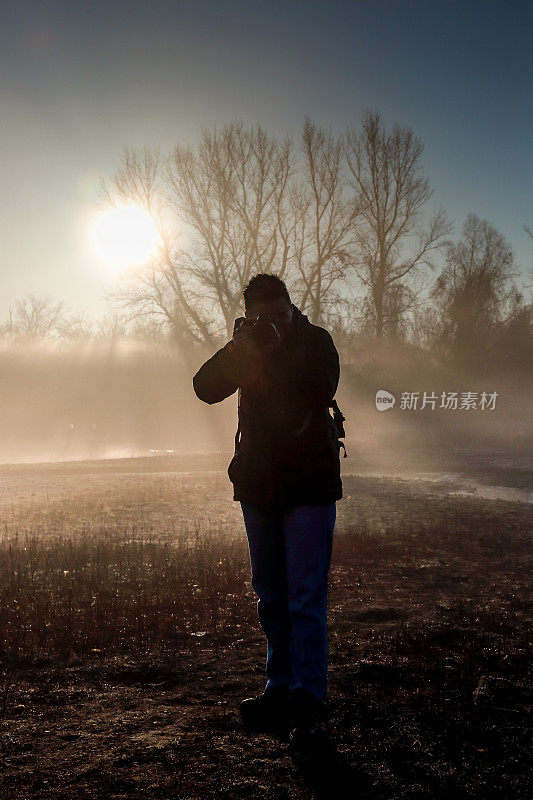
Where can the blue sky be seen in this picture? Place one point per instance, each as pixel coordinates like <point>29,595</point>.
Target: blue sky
<point>79,81</point>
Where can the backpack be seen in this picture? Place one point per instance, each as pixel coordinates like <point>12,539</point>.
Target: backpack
<point>338,419</point>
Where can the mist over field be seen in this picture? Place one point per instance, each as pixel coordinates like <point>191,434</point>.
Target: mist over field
<point>100,399</point>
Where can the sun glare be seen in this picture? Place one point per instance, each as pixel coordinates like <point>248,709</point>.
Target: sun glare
<point>124,236</point>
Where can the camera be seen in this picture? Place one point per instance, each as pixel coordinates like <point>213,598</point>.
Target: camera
<point>263,329</point>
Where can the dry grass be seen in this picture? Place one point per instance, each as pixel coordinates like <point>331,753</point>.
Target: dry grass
<point>128,634</point>
<point>137,566</point>
<point>134,568</point>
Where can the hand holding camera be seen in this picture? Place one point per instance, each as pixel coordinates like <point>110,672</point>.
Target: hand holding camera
<point>252,339</point>
<point>256,336</point>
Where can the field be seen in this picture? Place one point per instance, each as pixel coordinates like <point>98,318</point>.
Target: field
<point>128,637</point>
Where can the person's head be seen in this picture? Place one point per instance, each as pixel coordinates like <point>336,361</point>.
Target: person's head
<point>268,294</point>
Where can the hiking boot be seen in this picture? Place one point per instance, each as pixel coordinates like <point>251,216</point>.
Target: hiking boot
<point>307,713</point>
<point>269,710</point>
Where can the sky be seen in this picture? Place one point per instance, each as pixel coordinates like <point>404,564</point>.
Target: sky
<point>80,81</point>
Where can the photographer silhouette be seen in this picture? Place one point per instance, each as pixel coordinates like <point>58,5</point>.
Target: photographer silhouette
<point>286,475</point>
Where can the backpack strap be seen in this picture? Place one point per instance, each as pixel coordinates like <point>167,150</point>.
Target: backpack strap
<point>237,435</point>
<point>339,418</point>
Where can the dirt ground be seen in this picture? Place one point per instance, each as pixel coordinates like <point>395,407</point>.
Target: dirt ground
<point>429,677</point>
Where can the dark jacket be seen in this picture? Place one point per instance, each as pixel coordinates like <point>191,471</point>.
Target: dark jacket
<point>288,453</point>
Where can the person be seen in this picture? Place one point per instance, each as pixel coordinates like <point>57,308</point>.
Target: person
<point>286,476</point>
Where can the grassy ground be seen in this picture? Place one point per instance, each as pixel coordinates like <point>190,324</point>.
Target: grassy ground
<point>128,637</point>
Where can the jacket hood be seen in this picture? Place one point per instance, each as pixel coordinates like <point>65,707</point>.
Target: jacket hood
<point>300,321</point>
<point>299,315</point>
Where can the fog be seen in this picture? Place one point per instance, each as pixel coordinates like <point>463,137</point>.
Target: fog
<point>112,399</point>
<point>99,399</point>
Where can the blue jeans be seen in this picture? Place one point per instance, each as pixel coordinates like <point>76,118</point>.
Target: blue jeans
<point>290,554</point>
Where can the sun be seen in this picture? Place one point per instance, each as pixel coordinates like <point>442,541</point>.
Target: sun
<point>124,236</point>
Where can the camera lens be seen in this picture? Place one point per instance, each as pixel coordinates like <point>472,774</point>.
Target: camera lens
<point>264,332</point>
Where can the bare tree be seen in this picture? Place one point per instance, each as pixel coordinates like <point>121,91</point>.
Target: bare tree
<point>155,295</point>
<point>113,325</point>
<point>321,219</point>
<point>7,328</point>
<point>228,193</point>
<point>393,238</point>
<point>76,326</point>
<point>224,197</point>
<point>34,316</point>
<point>530,269</point>
<point>475,292</point>
<point>244,202</point>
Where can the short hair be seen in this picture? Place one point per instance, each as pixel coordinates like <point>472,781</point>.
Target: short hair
<point>264,287</point>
